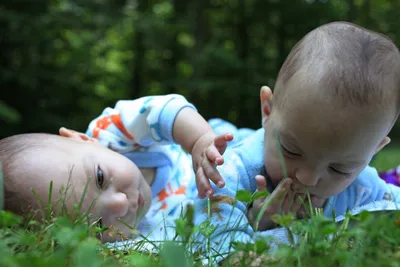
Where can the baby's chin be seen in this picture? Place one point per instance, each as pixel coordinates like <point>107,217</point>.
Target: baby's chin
<point>116,234</point>
<point>301,189</point>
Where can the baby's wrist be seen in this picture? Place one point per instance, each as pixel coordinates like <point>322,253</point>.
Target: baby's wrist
<point>204,141</point>
<point>200,147</point>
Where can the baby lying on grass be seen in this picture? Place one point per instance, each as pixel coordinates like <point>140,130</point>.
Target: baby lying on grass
<point>336,98</point>
<point>127,165</point>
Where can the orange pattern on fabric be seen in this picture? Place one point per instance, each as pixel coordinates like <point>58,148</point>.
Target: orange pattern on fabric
<point>104,122</point>
<point>116,119</point>
<point>101,124</point>
<point>163,195</point>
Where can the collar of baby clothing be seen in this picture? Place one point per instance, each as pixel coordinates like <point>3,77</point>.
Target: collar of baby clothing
<point>159,157</point>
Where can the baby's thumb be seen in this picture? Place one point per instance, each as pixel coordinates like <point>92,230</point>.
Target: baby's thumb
<point>261,183</point>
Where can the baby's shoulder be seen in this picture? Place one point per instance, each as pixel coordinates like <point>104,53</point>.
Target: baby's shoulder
<point>366,188</point>
<point>369,178</point>
<point>250,149</point>
<point>243,161</point>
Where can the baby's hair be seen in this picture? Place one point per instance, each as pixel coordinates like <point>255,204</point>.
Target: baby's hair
<point>360,66</point>
<point>13,149</point>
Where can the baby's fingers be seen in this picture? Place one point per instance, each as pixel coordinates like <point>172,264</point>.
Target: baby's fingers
<point>278,196</point>
<point>261,183</point>
<point>299,200</point>
<point>274,202</point>
<point>69,133</point>
<point>221,141</point>
<point>214,156</point>
<point>284,186</point>
<point>203,184</point>
<point>211,172</point>
<point>214,152</point>
<point>289,202</point>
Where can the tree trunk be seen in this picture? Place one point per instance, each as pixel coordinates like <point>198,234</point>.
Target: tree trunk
<point>171,74</point>
<point>199,26</point>
<point>281,36</point>
<point>352,12</point>
<point>243,53</point>
<point>139,52</point>
<point>366,9</point>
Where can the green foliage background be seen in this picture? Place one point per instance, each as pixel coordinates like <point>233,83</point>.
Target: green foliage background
<point>63,61</point>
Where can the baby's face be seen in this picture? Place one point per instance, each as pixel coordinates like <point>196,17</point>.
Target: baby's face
<point>324,147</point>
<point>115,184</point>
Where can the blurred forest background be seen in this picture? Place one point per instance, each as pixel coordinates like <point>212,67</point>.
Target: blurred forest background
<point>63,61</point>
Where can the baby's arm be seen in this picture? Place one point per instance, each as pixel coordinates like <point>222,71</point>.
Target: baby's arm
<point>195,135</point>
<point>367,188</point>
<point>149,120</point>
<point>139,123</point>
<point>225,220</point>
<point>375,188</point>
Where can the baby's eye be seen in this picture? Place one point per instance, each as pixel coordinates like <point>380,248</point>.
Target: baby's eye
<point>99,178</point>
<point>290,153</point>
<point>340,172</point>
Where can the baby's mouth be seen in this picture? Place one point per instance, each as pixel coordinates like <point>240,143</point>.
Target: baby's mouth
<point>140,201</point>
<point>305,194</point>
<point>300,189</point>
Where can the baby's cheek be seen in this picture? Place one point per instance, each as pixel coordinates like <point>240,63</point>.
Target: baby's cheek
<point>332,188</point>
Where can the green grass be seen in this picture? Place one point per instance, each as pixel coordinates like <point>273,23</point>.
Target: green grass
<point>369,239</point>
<point>372,240</point>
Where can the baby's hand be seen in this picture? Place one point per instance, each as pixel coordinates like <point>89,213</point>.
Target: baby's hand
<point>207,155</point>
<point>282,201</point>
<point>77,135</point>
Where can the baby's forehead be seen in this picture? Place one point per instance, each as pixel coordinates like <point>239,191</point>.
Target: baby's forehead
<point>301,92</point>
<point>323,115</point>
<point>313,128</point>
<point>326,92</point>
<point>310,108</point>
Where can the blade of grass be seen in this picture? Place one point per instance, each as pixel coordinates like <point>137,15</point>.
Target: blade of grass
<point>40,200</point>
<point>49,200</point>
<point>1,188</point>
<point>208,237</point>
<point>310,204</point>
<point>262,211</point>
<point>83,194</point>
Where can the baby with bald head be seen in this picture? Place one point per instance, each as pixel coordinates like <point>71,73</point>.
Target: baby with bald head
<point>336,98</point>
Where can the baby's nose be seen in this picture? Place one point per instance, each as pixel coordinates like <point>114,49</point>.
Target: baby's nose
<point>307,176</point>
<point>117,204</point>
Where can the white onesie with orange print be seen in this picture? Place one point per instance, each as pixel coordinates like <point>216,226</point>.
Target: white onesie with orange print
<point>141,130</point>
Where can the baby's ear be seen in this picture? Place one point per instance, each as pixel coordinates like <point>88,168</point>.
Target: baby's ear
<point>382,144</point>
<point>73,134</point>
<point>266,103</point>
